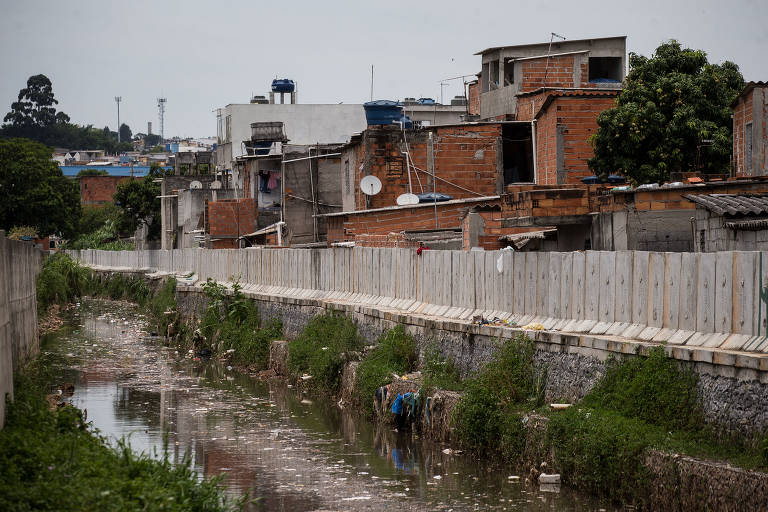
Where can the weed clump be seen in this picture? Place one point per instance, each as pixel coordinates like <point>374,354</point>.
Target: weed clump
<point>395,352</point>
<point>164,301</point>
<point>440,372</point>
<point>654,389</point>
<point>489,410</point>
<point>322,348</point>
<point>232,322</point>
<point>61,279</point>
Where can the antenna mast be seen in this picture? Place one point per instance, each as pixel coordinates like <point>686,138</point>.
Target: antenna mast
<point>161,115</point>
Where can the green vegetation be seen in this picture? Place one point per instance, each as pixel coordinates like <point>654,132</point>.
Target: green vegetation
<point>34,116</point>
<point>672,115</point>
<point>231,322</point>
<point>162,303</point>
<point>395,353</point>
<point>321,349</point>
<point>35,191</point>
<point>139,202</point>
<point>61,280</point>
<point>440,372</point>
<point>487,415</point>
<point>54,460</point>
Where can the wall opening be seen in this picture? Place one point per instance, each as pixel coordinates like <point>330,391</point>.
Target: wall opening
<point>509,71</point>
<point>494,77</point>
<point>605,69</point>
<point>517,152</point>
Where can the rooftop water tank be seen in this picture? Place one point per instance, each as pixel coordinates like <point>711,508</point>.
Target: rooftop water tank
<point>382,112</point>
<point>425,101</point>
<point>283,85</point>
<point>458,101</point>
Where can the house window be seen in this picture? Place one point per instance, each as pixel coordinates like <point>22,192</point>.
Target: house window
<point>228,133</point>
<point>605,69</point>
<point>748,147</point>
<point>494,75</point>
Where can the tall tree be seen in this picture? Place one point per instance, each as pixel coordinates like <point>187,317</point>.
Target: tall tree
<point>34,190</point>
<point>672,115</point>
<point>35,105</point>
<point>125,133</point>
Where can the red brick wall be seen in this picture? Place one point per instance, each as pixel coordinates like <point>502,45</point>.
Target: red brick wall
<point>558,72</point>
<point>525,112</point>
<point>577,117</point>
<point>230,218</point>
<point>463,155</point>
<point>350,227</point>
<point>742,114</point>
<point>98,190</point>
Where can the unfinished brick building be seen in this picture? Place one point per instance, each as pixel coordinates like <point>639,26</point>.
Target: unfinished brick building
<point>99,190</point>
<point>750,132</point>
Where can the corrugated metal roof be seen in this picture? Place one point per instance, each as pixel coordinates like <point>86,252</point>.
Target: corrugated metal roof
<point>732,204</point>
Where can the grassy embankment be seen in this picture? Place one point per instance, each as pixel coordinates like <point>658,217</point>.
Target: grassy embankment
<point>599,445</point>
<point>55,460</point>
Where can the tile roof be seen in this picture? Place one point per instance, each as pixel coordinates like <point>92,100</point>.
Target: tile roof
<point>732,204</point>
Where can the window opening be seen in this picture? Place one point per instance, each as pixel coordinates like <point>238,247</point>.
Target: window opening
<point>517,148</point>
<point>509,71</point>
<point>605,69</point>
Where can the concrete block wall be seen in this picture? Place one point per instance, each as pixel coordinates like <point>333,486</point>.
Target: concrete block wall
<point>698,299</point>
<point>19,265</point>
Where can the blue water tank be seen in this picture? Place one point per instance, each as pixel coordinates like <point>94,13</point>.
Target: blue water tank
<point>382,112</point>
<point>425,101</point>
<point>283,85</point>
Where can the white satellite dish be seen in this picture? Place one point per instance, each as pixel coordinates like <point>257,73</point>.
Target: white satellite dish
<point>195,185</point>
<point>216,184</point>
<point>370,185</point>
<point>406,199</point>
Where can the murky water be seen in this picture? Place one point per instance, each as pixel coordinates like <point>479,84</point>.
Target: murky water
<point>291,451</point>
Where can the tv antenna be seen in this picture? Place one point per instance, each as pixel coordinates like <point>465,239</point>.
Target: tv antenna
<point>546,68</point>
<point>161,115</point>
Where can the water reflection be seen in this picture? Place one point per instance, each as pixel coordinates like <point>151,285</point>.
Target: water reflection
<point>293,451</point>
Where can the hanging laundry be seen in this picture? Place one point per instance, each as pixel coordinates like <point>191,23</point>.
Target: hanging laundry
<point>263,180</point>
<point>273,180</point>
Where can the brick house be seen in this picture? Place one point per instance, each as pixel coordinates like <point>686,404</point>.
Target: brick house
<point>750,132</point>
<point>99,190</point>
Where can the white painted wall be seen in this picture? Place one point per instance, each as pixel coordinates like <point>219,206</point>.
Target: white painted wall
<point>304,124</point>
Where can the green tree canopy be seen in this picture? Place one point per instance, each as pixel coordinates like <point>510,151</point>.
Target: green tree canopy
<point>34,190</point>
<point>125,133</point>
<point>92,172</point>
<point>672,115</point>
<point>140,202</point>
<point>35,105</point>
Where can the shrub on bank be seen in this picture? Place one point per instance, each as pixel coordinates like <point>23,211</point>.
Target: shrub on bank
<point>232,322</point>
<point>322,348</point>
<point>53,460</point>
<point>440,372</point>
<point>395,352</point>
<point>489,409</point>
<point>164,301</point>
<point>61,280</point>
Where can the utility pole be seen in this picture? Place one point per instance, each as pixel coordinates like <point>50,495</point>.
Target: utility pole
<point>118,99</point>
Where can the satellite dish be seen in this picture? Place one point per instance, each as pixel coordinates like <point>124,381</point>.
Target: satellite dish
<point>216,184</point>
<point>195,185</point>
<point>370,185</point>
<point>406,199</point>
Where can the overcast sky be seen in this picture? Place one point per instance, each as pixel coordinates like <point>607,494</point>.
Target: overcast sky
<point>202,55</point>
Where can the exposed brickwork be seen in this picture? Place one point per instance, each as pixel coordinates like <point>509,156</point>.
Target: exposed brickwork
<point>99,190</point>
<point>745,113</point>
<point>553,72</point>
<point>230,218</point>
<point>463,155</point>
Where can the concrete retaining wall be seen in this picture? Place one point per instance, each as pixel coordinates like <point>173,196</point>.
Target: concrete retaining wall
<point>691,299</point>
<point>19,265</point>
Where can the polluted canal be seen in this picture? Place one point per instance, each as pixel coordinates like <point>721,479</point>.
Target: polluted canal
<point>288,450</point>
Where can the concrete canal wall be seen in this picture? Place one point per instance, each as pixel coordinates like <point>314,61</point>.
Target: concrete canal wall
<point>19,265</point>
<point>703,308</point>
